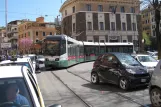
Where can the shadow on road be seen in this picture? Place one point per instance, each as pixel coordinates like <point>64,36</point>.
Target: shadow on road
<point>111,88</point>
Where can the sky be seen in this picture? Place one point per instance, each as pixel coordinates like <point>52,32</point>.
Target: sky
<point>30,9</point>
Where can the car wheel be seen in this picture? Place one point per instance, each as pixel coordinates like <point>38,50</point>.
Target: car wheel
<point>155,97</point>
<point>124,83</point>
<point>94,78</point>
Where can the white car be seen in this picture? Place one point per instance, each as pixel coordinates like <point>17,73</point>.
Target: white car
<point>20,61</point>
<point>33,58</point>
<point>40,61</point>
<point>147,61</point>
<point>155,86</point>
<point>17,82</point>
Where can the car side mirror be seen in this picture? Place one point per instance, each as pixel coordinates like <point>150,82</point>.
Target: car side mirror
<point>55,105</point>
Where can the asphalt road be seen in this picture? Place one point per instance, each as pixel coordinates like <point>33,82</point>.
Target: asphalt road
<point>77,78</point>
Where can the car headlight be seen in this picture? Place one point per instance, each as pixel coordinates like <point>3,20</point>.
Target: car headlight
<point>130,71</point>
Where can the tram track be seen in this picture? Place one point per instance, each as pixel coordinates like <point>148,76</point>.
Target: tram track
<point>124,96</point>
<point>77,96</point>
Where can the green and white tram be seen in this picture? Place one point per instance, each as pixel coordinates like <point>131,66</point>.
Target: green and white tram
<point>63,51</point>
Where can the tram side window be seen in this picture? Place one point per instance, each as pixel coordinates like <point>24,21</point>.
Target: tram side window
<point>125,49</point>
<point>121,49</point>
<point>81,50</point>
<point>130,48</point>
<point>63,47</point>
<point>102,50</point>
<point>109,49</point>
<point>115,49</point>
<point>97,51</point>
<point>70,48</point>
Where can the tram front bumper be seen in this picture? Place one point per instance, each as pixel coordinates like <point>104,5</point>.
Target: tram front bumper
<point>53,64</point>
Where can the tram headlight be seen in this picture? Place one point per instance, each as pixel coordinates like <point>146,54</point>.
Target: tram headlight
<point>57,59</point>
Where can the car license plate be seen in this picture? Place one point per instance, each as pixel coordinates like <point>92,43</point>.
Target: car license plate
<point>143,80</point>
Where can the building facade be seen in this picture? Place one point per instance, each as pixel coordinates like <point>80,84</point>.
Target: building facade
<point>2,36</point>
<point>12,33</point>
<point>101,20</point>
<point>35,30</point>
<point>148,21</point>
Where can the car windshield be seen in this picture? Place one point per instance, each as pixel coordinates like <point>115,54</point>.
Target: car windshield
<point>40,56</point>
<point>18,63</point>
<point>146,59</point>
<point>52,48</point>
<point>128,60</point>
<point>32,58</point>
<point>14,90</point>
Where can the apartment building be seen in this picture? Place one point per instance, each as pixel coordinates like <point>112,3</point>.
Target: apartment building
<point>148,21</point>
<point>12,33</point>
<point>35,30</point>
<point>2,36</point>
<point>102,20</point>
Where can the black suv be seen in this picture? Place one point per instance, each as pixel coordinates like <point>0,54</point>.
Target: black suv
<point>120,69</point>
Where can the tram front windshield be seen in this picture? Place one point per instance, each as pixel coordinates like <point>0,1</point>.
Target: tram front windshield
<point>52,48</point>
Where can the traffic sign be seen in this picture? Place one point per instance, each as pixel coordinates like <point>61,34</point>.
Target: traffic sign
<point>5,45</point>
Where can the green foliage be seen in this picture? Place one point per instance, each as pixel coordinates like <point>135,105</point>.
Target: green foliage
<point>146,38</point>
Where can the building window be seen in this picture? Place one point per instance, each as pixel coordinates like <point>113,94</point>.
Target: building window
<point>73,27</point>
<point>89,25</point>
<point>123,9</point>
<point>51,33</point>
<point>37,33</point>
<point>88,7</point>
<point>74,9</point>
<point>124,26</point>
<point>100,8</point>
<point>102,41</point>
<point>43,33</point>
<point>101,26</point>
<point>132,10</point>
<point>112,9</point>
<point>134,26</point>
<point>153,32</point>
<point>112,25</point>
<point>65,12</point>
<point>28,33</point>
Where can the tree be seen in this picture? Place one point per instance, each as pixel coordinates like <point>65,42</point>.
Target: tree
<point>156,4</point>
<point>147,41</point>
<point>26,44</point>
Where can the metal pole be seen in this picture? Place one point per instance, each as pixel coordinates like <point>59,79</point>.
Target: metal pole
<point>6,25</point>
<point>6,15</point>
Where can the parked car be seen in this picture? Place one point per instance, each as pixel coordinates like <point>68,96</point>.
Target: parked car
<point>19,83</point>
<point>155,55</point>
<point>120,69</point>
<point>20,61</point>
<point>147,61</point>
<point>155,86</point>
<point>40,62</point>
